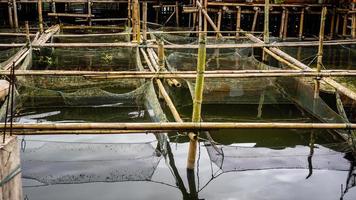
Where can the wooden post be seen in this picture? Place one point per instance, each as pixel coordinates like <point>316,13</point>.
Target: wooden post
<point>353,23</point>
<point>9,8</point>
<point>40,18</point>
<point>144,18</point>
<point>89,12</point>
<point>135,21</point>
<point>285,29</point>
<point>238,21</point>
<point>337,24</point>
<point>199,87</point>
<point>219,22</point>
<point>53,8</point>
<point>282,23</point>
<point>27,32</point>
<point>177,13</point>
<point>301,24</point>
<point>332,24</point>
<point>257,10</point>
<point>160,54</point>
<point>16,23</point>
<point>320,49</point>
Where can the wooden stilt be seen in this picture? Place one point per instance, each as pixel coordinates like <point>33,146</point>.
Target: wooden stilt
<point>337,24</point>
<point>89,12</point>
<point>285,28</point>
<point>266,28</point>
<point>54,10</point>
<point>344,25</point>
<point>129,18</point>
<point>135,21</point>
<point>27,32</point>
<point>16,22</point>
<point>353,23</point>
<point>282,23</point>
<point>160,53</point>
<point>320,49</point>
<point>257,10</point>
<point>332,24</point>
<point>11,22</point>
<point>144,18</point>
<point>238,21</point>
<point>40,18</point>
<point>177,13</point>
<point>301,24</point>
<point>219,21</point>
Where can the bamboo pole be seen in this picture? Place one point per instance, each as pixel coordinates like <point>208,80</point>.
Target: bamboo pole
<point>238,21</point>
<point>196,126</point>
<point>144,25</point>
<point>9,9</point>
<point>254,22</point>
<point>337,24</point>
<point>266,24</point>
<point>207,17</point>
<point>40,18</point>
<point>281,28</point>
<point>320,50</point>
<point>301,24</point>
<point>199,87</point>
<point>332,24</point>
<point>219,22</point>
<point>161,60</point>
<point>285,29</point>
<point>177,13</point>
<point>344,25</point>
<point>27,33</point>
<point>54,10</point>
<point>185,74</point>
<point>129,18</point>
<point>16,22</point>
<point>89,12</point>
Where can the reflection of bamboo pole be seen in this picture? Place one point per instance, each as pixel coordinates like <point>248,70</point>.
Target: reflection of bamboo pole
<point>40,18</point>
<point>176,126</point>
<point>320,50</point>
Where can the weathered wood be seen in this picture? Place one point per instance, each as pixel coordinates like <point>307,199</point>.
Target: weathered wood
<point>89,15</point>
<point>9,10</point>
<point>255,16</point>
<point>281,28</point>
<point>285,29</point>
<point>266,24</point>
<point>301,24</point>
<point>238,21</point>
<point>144,18</point>
<point>16,21</point>
<point>27,28</point>
<point>10,171</point>
<point>204,12</point>
<point>332,23</point>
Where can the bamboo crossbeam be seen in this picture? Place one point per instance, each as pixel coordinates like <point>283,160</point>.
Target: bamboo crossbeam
<point>261,4</point>
<point>73,1</point>
<point>188,126</point>
<point>70,15</point>
<point>187,46</point>
<point>185,74</point>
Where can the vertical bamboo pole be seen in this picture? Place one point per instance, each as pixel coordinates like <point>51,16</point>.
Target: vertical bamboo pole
<point>135,21</point>
<point>266,25</point>
<point>16,22</point>
<point>129,20</point>
<point>89,12</point>
<point>27,32</point>
<point>282,23</point>
<point>160,54</point>
<point>285,29</point>
<point>332,24</point>
<point>337,25</point>
<point>9,8</point>
<point>301,24</point>
<point>40,18</point>
<point>199,86</point>
<point>320,49</point>
<point>257,10</point>
<point>344,25</point>
<point>353,23</point>
<point>53,5</point>
<point>219,22</point>
<point>177,13</point>
<point>238,21</point>
<point>144,18</point>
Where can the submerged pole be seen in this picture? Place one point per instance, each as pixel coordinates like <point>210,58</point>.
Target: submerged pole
<point>199,87</point>
<point>320,50</point>
<point>40,18</point>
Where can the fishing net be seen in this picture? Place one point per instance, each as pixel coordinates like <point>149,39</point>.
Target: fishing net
<point>6,53</point>
<point>123,36</point>
<point>49,163</point>
<point>237,158</point>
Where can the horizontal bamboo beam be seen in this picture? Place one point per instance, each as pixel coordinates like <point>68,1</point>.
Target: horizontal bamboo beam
<point>185,74</point>
<point>261,4</point>
<point>69,15</point>
<point>73,1</point>
<point>189,126</point>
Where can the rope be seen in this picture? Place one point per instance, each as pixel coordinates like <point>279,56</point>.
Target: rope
<point>10,176</point>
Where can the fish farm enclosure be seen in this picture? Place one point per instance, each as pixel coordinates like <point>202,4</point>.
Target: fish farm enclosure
<point>190,99</point>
